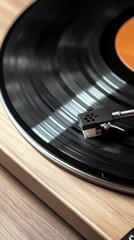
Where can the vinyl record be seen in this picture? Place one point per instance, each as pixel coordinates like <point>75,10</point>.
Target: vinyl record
<point>59,60</point>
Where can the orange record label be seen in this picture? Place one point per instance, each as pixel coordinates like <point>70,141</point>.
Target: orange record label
<point>124,43</point>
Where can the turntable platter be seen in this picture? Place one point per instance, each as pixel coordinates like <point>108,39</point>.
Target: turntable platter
<point>54,66</point>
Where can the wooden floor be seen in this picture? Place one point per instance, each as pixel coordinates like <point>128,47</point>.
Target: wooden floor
<point>24,217</point>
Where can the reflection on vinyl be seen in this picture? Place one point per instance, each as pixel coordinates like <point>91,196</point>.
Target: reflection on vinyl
<point>59,60</point>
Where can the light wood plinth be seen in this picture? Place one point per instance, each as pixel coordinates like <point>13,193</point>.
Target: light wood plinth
<point>24,217</point>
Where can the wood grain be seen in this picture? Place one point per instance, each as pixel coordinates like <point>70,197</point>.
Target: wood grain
<point>24,216</point>
<point>9,10</point>
<point>95,212</point>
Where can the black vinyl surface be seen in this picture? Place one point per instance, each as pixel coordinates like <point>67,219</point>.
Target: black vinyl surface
<point>56,62</point>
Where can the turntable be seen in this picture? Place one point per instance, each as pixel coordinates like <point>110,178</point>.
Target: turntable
<point>52,71</point>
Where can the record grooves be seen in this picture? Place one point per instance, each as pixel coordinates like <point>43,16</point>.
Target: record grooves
<point>54,66</point>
